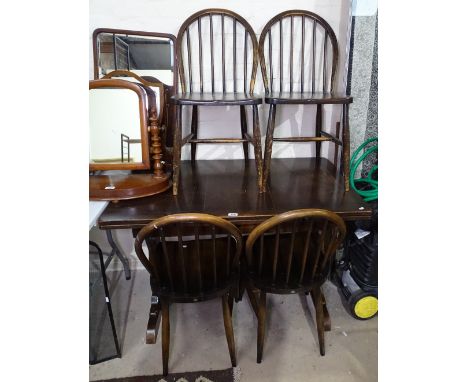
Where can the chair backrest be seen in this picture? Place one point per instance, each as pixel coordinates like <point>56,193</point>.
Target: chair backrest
<point>292,251</point>
<point>217,51</point>
<point>191,256</point>
<point>298,52</point>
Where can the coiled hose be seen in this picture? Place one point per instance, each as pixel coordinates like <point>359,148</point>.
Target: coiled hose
<point>369,188</point>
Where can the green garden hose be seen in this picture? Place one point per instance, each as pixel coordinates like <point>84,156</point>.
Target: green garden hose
<point>368,194</point>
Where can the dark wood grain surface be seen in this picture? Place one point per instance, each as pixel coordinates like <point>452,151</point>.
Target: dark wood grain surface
<point>224,187</point>
<point>127,186</point>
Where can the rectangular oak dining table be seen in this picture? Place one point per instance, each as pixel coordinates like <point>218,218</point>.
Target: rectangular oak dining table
<point>228,188</point>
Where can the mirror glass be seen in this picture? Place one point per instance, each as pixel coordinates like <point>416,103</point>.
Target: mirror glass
<point>143,55</point>
<point>114,127</point>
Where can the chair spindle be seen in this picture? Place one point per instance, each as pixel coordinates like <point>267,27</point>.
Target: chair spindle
<point>223,53</point>
<point>189,52</point>
<point>324,85</point>
<point>291,250</point>
<point>245,61</point>
<point>260,260</point>
<point>198,261</point>
<point>281,55</point>
<point>275,256</point>
<point>200,55</point>
<point>213,237</point>
<point>321,232</point>
<point>228,255</point>
<point>306,250</point>
<point>313,55</point>
<point>234,46</point>
<point>182,257</point>
<point>302,55</point>
<point>166,258</point>
<point>212,54</point>
<point>291,56</point>
<point>271,60</point>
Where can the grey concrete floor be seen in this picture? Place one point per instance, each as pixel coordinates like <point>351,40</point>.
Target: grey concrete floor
<point>198,341</point>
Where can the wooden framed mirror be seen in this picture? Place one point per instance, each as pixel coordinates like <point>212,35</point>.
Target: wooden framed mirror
<point>124,131</point>
<point>118,125</point>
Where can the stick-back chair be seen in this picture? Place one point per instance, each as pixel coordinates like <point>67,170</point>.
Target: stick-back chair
<point>299,59</point>
<point>217,53</point>
<point>291,253</point>
<point>191,257</point>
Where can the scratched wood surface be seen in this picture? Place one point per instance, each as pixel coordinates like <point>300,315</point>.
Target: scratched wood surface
<point>228,188</point>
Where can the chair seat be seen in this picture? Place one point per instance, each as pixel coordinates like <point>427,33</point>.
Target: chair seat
<point>307,98</point>
<point>216,99</point>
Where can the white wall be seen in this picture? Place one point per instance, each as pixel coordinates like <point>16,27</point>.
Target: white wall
<point>167,16</point>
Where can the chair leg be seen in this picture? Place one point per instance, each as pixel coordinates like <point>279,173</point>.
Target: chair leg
<point>240,290</point>
<point>165,336</point>
<point>243,120</point>
<point>194,131</point>
<point>242,280</point>
<point>177,150</point>
<point>318,132</point>
<point>268,145</point>
<point>253,300</point>
<point>326,315</point>
<point>258,148</point>
<point>319,317</point>
<point>261,325</point>
<point>227,312</point>
<point>230,303</point>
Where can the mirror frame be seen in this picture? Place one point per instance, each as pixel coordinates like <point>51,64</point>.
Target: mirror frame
<point>142,92</point>
<point>136,33</point>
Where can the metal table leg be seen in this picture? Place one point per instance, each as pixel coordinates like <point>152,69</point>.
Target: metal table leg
<point>116,251</point>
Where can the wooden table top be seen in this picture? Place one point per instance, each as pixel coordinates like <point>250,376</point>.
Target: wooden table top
<point>228,188</point>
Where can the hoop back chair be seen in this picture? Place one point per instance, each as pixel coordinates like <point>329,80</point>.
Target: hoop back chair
<point>191,257</point>
<point>217,53</point>
<point>299,57</point>
<point>291,253</point>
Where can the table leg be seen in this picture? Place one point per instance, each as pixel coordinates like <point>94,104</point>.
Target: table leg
<point>116,251</point>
